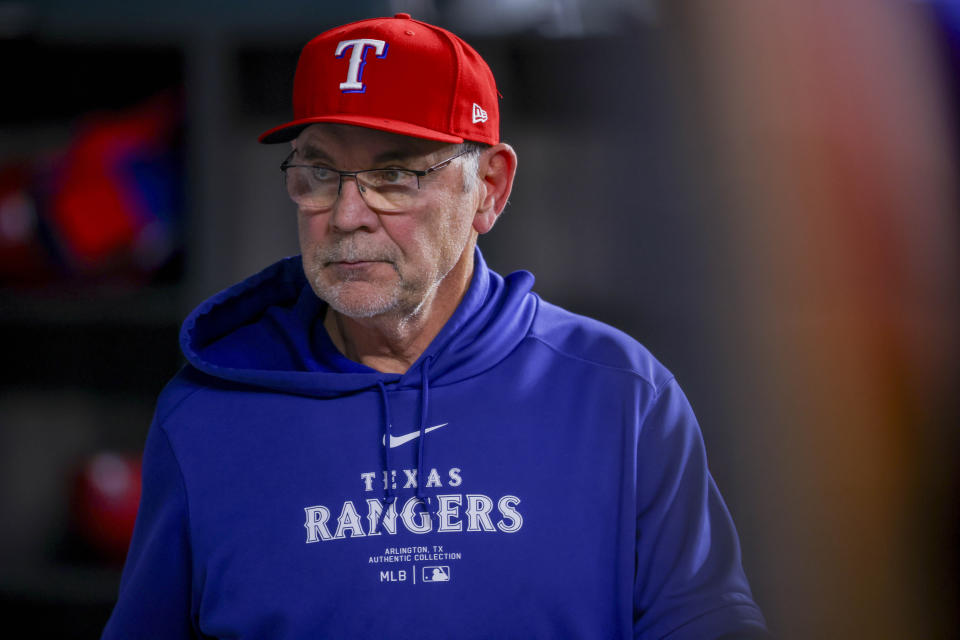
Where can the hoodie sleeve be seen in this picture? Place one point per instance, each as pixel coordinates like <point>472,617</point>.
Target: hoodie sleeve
<point>689,582</point>
<point>155,589</point>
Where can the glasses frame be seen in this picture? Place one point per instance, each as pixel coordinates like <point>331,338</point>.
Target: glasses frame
<point>419,173</point>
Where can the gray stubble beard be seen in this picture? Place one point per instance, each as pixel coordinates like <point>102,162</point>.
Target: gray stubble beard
<point>333,295</point>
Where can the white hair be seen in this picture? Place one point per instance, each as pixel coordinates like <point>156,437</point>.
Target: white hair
<point>471,163</point>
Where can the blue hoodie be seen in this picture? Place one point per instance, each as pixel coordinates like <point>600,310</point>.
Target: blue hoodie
<point>535,474</point>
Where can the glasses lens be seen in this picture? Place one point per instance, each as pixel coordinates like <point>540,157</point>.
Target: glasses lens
<point>382,189</point>
<point>311,187</point>
<point>388,189</point>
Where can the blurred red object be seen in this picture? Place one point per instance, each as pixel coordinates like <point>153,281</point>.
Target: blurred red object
<point>106,495</point>
<point>98,205</point>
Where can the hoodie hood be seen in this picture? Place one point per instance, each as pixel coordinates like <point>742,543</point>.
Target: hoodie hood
<point>267,331</point>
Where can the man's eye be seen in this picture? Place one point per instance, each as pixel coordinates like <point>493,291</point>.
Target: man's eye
<point>389,176</point>
<point>322,174</point>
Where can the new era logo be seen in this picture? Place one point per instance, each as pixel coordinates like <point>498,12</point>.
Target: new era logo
<point>479,115</point>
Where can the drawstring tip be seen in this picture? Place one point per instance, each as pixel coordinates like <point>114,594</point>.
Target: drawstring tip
<point>428,506</point>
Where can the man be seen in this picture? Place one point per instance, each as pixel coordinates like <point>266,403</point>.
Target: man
<point>385,439</point>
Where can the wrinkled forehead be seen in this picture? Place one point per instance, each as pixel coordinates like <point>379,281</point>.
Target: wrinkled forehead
<point>351,145</point>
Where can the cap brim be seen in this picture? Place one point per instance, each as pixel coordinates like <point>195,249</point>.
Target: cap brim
<point>290,130</point>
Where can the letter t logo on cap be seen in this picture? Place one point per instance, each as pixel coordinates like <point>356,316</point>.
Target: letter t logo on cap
<point>358,60</point>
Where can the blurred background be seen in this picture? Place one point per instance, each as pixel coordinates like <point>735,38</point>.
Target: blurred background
<point>764,192</point>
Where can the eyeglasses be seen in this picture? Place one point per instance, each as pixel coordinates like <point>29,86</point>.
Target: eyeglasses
<point>317,187</point>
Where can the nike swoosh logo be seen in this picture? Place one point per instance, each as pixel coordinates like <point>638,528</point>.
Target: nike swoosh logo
<point>396,441</point>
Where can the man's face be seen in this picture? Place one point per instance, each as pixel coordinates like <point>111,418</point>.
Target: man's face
<point>366,263</point>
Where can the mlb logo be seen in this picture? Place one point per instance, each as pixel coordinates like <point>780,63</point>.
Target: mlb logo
<point>436,574</point>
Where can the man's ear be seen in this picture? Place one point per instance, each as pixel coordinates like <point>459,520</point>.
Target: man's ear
<point>497,168</point>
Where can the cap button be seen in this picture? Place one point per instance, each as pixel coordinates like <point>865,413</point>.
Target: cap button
<point>403,16</point>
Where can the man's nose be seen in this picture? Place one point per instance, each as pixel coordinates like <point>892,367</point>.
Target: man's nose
<point>350,211</point>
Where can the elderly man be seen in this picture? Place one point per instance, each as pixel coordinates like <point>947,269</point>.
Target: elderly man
<point>383,438</point>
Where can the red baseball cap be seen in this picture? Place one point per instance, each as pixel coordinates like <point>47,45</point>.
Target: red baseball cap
<point>394,74</point>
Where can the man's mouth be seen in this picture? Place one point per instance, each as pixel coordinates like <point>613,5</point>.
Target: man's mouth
<point>351,263</point>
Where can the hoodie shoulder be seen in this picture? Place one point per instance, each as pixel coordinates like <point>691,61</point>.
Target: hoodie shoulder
<point>594,342</point>
<point>184,384</point>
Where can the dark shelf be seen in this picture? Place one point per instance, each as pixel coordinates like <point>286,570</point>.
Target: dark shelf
<point>57,81</point>
<point>124,342</point>
<point>92,305</point>
<point>58,601</point>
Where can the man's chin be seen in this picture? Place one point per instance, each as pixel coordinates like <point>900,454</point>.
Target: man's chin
<point>359,299</point>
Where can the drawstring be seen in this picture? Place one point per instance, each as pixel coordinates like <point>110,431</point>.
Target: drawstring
<point>390,496</point>
<point>387,435</point>
<point>424,417</point>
